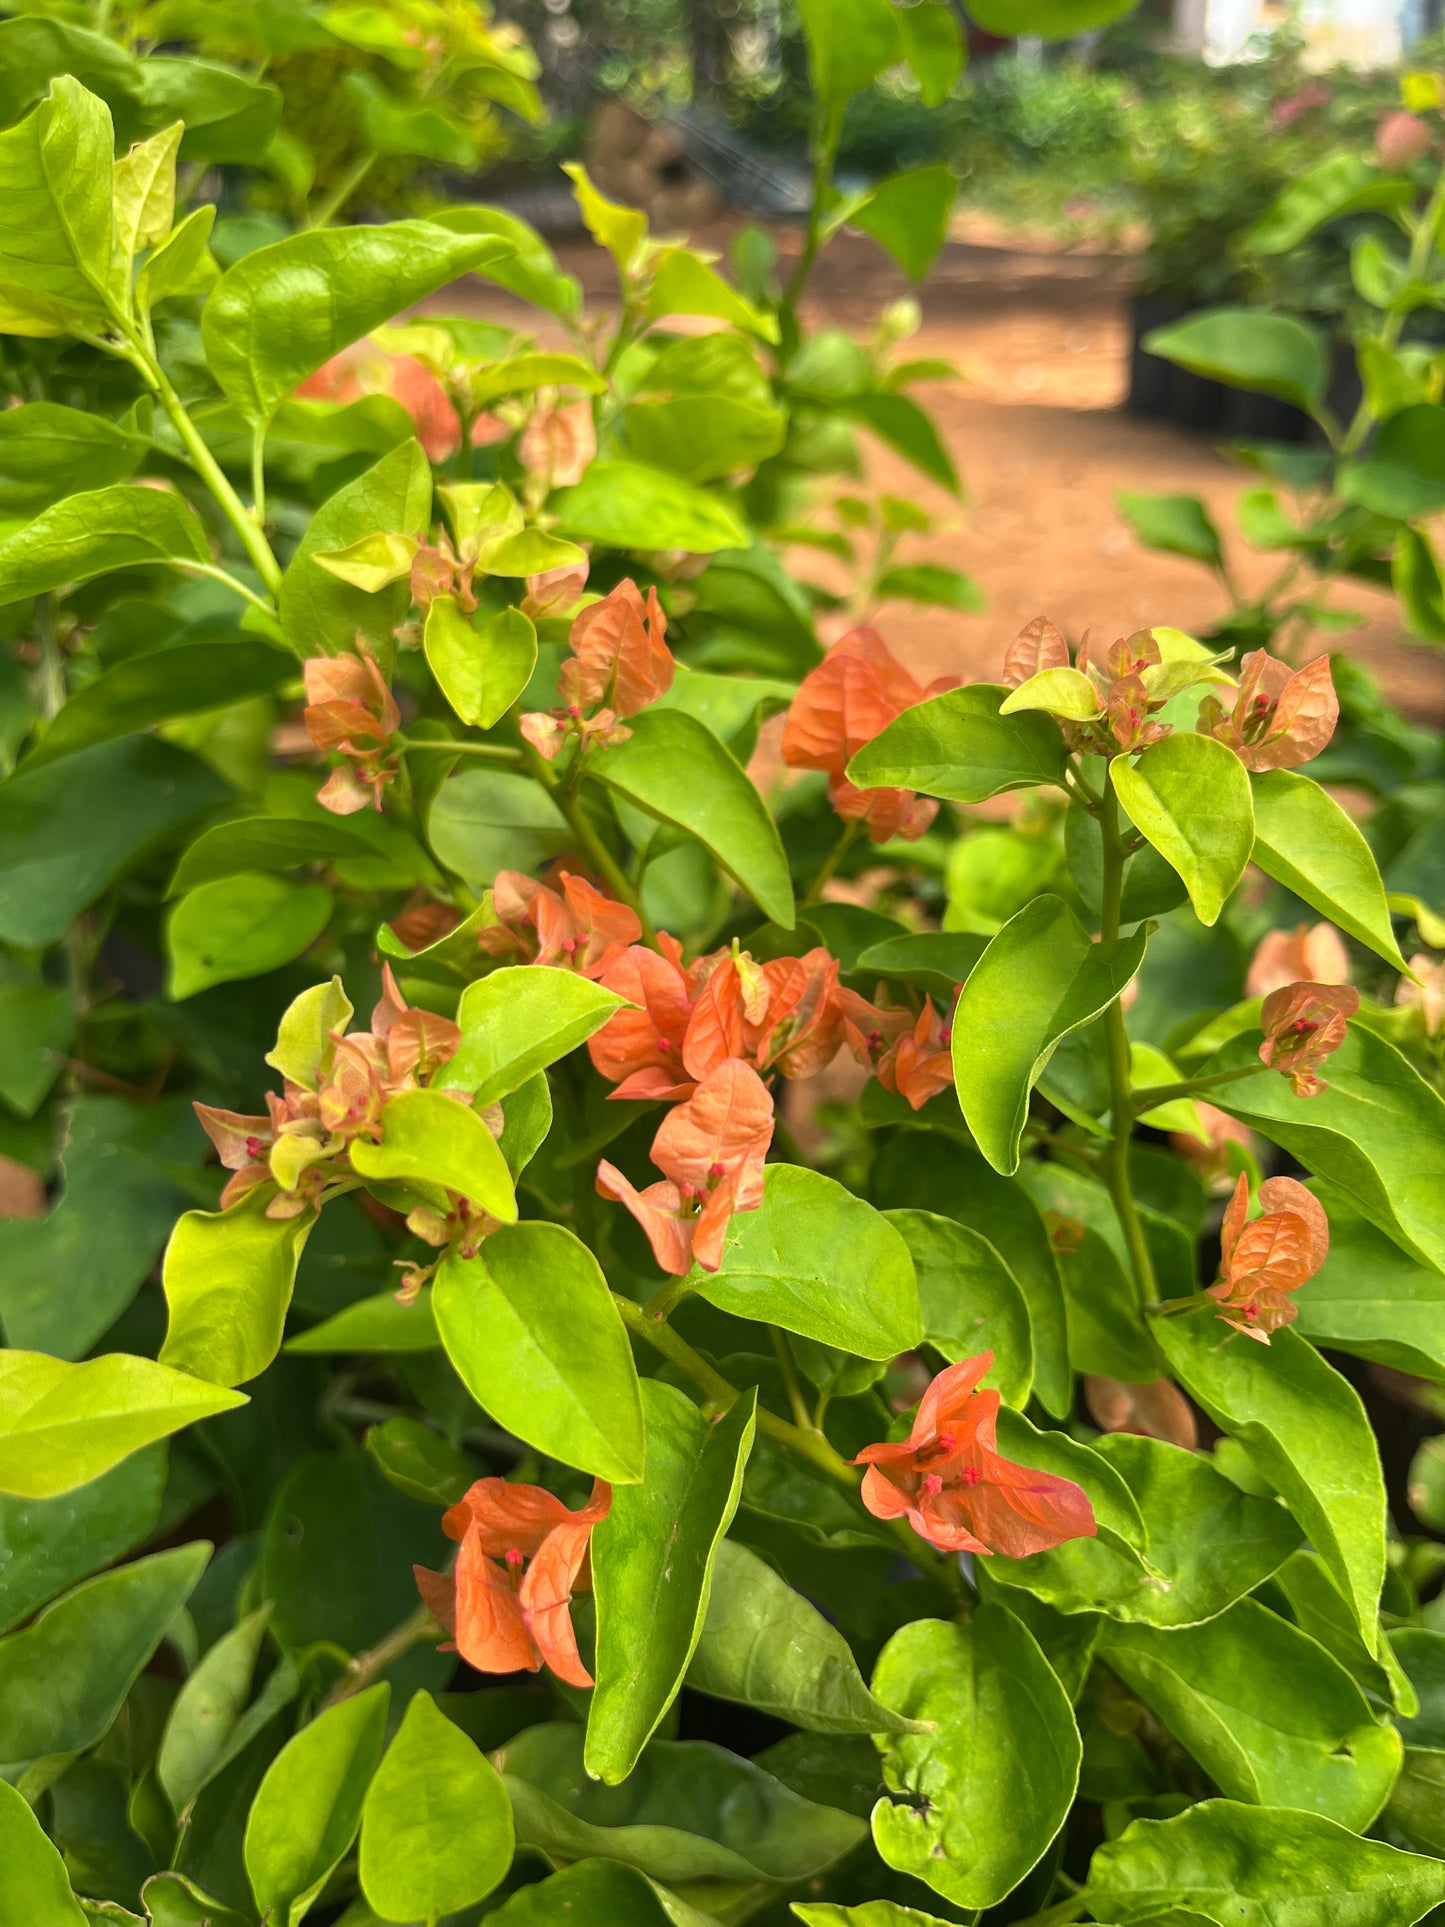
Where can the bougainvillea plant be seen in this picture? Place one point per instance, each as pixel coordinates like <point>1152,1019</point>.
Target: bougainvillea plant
<point>753,1343</point>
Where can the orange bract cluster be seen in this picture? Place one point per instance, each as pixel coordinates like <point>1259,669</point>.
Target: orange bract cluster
<point>349,708</point>
<point>523,1556</point>
<point>1117,676</point>
<point>918,1064</point>
<point>620,662</point>
<point>576,928</point>
<point>366,369</point>
<point>856,691</point>
<point>1303,1024</point>
<point>950,1483</point>
<point>301,1145</point>
<point>1263,1261</point>
<point>1281,716</point>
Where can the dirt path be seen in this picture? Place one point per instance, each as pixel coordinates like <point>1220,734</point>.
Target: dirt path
<point>1035,424</point>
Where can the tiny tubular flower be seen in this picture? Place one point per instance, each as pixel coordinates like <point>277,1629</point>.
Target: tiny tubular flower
<point>1303,1024</point>
<point>574,928</point>
<point>1281,716</point>
<point>711,1149</point>
<point>523,1556</point>
<point>956,1491</point>
<point>919,1064</point>
<point>1263,1261</point>
<point>1314,954</point>
<point>856,691</point>
<point>349,708</point>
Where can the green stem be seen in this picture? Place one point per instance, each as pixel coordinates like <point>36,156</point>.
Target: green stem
<point>1421,243</point>
<point>797,1403</point>
<point>1157,1094</point>
<point>341,193</point>
<point>213,573</point>
<point>258,475</point>
<point>825,148</point>
<point>664,1302</point>
<point>834,857</point>
<point>592,846</point>
<point>248,530</point>
<point>50,690</point>
<point>372,1663</point>
<point>1115,1162</point>
<point>493,752</point>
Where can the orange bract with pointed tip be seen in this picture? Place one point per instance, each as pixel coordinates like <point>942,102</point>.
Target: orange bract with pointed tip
<point>1314,954</point>
<point>350,708</point>
<point>1281,716</point>
<point>1303,1024</point>
<point>576,928</point>
<point>1263,1261</point>
<point>1039,645</point>
<point>919,1064</point>
<point>523,1556</point>
<point>954,1489</point>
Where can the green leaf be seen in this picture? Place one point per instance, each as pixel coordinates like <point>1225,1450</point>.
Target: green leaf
<point>530,271</point>
<point>971,1300</point>
<point>676,769</point>
<point>1304,840</point>
<point>683,283</point>
<point>430,1138</point>
<point>34,1886</point>
<point>37,1023</point>
<point>531,1327</point>
<point>652,1567</point>
<point>908,215</point>
<point>621,230</point>
<point>60,265</point>
<point>1175,524</point>
<point>228,116</point>
<point>258,843</point>
<point>898,421</point>
<point>1004,1749</point>
<point>1039,979</point>
<point>765,1646</point>
<point>47,451</point>
<point>1404,474</point>
<point>1059,692</point>
<point>1418,1801</point>
<point>1372,1299</point>
<point>931,582</point>
<point>393,127</point>
<point>157,687</point>
<point>69,828</point>
<point>1190,797</point>
<point>1243,1866</point>
<point>850,42</point>
<point>872,1913</point>
<point>182,264</point>
<point>125,527</point>
<point>1306,1431</point>
<point>816,1260</point>
<point>306,1813</point>
<point>205,1713</point>
<point>1273,354</point>
<point>379,1324</point>
<point>321,614</point>
<point>1377,1133</point>
<point>228,1277</point>
<point>1343,184</point>
<point>1415,576</point>
<point>689,1813</point>
<point>518,1020</point>
<point>702,437</point>
<point>283,310</point>
<point>626,505</point>
<point>35,49</point>
<point>596,1893</point>
<point>144,187</point>
<point>63,1425</point>
<point>305,1047</point>
<point>1049,19</point>
<point>1206,1542</point>
<point>419,1462</point>
<point>64,1679</point>
<point>482,668</point>
<point>934,48</point>
<point>1264,1710</point>
<point>436,1829</point>
<point>48,1544</point>
<point>958,746</point>
<point>524,374</point>
<point>485,820</point>
<point>241,926</point>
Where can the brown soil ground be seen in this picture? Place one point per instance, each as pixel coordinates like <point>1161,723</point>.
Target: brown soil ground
<point>1035,422</point>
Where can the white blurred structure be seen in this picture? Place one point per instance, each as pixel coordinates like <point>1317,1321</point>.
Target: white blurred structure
<point>1360,33</point>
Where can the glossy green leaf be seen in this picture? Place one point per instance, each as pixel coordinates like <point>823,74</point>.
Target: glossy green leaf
<point>1059,692</point>
<point>419,1461</point>
<point>34,49</point>
<point>1190,797</point>
<point>516,1021</point>
<point>688,1813</point>
<point>85,535</point>
<point>48,1544</point>
<point>157,687</point>
<point>1264,1710</point>
<point>430,1138</point>
<point>627,505</point>
<point>228,116</point>
<point>183,263</point>
<point>676,769</point>
<point>486,820</point>
<point>683,283</point>
<point>1272,354</point>
<point>64,1679</point>
<point>1205,1542</point>
<point>652,1567</point>
<point>1304,840</point>
<point>207,1709</point>
<point>1004,1747</point>
<point>48,451</point>
<point>280,312</point>
<point>531,1328</point>
<point>872,1913</point>
<point>958,746</point>
<point>596,1893</point>
<point>379,1324</point>
<point>436,1829</point>
<point>766,1646</point>
<point>34,1886</point>
<point>308,1809</point>
<point>1107,1332</point>
<point>816,1260</point>
<point>241,926</point>
<point>971,1300</point>
<point>1306,1431</point>
<point>321,614</point>
<point>63,1425</point>
<point>1373,1299</point>
<point>228,1278</point>
<point>259,843</point>
<point>1342,184</point>
<point>1245,1866</point>
<point>1377,1133</point>
<point>1039,979</point>
<point>908,215</point>
<point>1420,1652</point>
<point>1416,1813</point>
<point>60,265</point>
<point>703,437</point>
<point>482,667</point>
<point>530,270</point>
<point>305,1047</point>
